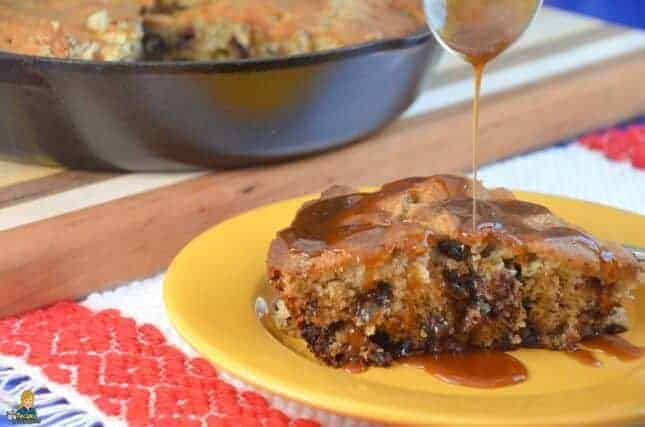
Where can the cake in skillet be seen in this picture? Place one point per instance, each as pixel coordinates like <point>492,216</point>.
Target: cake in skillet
<point>367,278</point>
<point>127,30</point>
<point>239,29</point>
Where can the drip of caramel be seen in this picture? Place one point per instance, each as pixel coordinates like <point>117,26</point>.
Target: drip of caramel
<point>479,74</point>
<point>585,357</point>
<point>478,31</point>
<point>355,368</point>
<point>616,346</point>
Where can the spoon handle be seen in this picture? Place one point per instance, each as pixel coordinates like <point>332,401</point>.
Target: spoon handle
<point>639,253</point>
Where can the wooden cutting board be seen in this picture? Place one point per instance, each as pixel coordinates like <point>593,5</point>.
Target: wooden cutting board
<point>68,233</point>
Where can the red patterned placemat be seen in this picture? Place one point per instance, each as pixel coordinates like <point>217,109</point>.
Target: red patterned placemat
<point>621,144</point>
<point>130,372</point>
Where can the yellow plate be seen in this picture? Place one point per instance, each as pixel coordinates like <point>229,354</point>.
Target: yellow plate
<point>210,291</point>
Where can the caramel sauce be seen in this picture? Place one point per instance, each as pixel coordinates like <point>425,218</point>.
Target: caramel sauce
<point>356,340</point>
<point>358,220</point>
<point>478,31</point>
<point>331,221</point>
<point>616,346</point>
<point>482,369</point>
<point>355,368</point>
<point>585,357</point>
<point>478,69</point>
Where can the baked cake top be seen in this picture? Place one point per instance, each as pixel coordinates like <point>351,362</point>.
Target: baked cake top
<point>325,23</point>
<point>343,226</point>
<point>113,29</point>
<point>79,29</point>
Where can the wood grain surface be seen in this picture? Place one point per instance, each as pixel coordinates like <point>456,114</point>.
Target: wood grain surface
<point>74,254</point>
<point>47,185</point>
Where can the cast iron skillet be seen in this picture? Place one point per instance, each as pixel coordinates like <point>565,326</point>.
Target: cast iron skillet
<point>154,116</point>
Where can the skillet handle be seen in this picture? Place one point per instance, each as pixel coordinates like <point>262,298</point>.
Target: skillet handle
<point>19,72</point>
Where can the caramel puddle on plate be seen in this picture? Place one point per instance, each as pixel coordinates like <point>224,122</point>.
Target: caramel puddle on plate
<point>480,369</point>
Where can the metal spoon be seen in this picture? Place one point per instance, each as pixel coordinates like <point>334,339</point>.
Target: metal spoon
<point>479,30</point>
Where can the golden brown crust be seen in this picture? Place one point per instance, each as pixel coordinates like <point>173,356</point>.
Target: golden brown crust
<point>76,29</point>
<point>240,28</point>
<point>198,29</point>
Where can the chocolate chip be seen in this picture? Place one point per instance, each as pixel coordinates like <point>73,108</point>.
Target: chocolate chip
<point>529,336</point>
<point>311,308</point>
<point>334,327</point>
<point>382,339</point>
<point>185,37</point>
<point>559,330</point>
<point>404,348</point>
<point>154,47</point>
<point>594,282</point>
<point>518,271</point>
<point>615,329</point>
<point>240,51</point>
<point>395,349</point>
<point>510,264</point>
<point>460,286</point>
<point>381,358</point>
<point>382,294</point>
<point>316,338</point>
<point>504,343</point>
<point>586,330</point>
<point>453,249</point>
<point>487,251</point>
<point>372,301</point>
<point>275,274</point>
<point>437,327</point>
<point>310,332</point>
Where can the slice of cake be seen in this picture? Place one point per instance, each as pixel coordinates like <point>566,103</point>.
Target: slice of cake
<point>366,278</point>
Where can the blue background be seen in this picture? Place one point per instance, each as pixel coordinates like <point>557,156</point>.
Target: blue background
<point>626,12</point>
